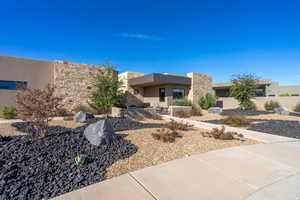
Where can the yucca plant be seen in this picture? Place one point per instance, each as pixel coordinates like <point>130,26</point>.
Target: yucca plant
<point>80,160</point>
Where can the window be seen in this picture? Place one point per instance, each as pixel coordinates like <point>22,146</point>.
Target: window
<point>136,91</point>
<point>162,94</point>
<point>12,85</point>
<point>178,93</point>
<point>260,92</point>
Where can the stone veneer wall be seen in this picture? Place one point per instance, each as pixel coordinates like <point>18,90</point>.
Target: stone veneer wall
<point>201,84</point>
<point>73,82</point>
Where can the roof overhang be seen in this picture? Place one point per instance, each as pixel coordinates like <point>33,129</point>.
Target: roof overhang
<point>158,79</point>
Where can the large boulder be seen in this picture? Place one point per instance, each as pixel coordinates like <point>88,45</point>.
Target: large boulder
<point>82,116</point>
<point>215,110</point>
<point>100,132</point>
<point>281,111</point>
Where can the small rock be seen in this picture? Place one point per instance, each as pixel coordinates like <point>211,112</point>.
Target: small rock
<point>82,116</point>
<point>99,133</point>
<point>215,110</point>
<point>281,111</point>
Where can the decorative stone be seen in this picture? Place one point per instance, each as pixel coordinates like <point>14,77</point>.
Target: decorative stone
<point>215,110</point>
<point>82,116</point>
<point>281,111</point>
<point>100,132</point>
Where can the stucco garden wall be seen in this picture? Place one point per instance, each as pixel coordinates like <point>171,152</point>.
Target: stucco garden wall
<point>286,102</point>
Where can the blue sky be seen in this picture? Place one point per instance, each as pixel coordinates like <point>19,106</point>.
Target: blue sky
<point>217,37</point>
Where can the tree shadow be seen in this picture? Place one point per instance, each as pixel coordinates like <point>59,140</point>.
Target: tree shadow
<point>245,112</point>
<point>287,128</point>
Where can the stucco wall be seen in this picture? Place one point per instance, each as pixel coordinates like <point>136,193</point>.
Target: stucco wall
<point>37,73</point>
<point>151,94</point>
<point>287,102</point>
<point>73,82</point>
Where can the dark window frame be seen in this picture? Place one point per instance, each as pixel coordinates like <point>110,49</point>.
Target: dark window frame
<point>12,85</point>
<point>178,89</point>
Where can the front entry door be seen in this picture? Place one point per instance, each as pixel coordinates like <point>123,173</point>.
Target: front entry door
<point>162,94</point>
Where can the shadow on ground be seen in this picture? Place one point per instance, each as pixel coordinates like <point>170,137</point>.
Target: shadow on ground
<point>287,128</point>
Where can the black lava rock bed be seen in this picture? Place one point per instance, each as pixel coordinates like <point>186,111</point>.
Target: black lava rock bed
<point>45,168</point>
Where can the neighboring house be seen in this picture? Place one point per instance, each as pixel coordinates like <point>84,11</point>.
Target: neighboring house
<point>72,80</point>
<point>266,91</point>
<point>162,89</point>
<point>266,87</point>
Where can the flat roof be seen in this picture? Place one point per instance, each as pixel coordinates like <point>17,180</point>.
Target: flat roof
<point>229,84</point>
<point>159,79</point>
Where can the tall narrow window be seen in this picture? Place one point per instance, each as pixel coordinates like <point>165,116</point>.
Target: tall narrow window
<point>178,93</point>
<point>12,85</point>
<point>162,94</point>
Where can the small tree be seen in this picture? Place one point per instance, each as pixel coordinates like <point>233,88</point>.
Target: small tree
<point>37,106</point>
<point>243,90</point>
<point>107,91</point>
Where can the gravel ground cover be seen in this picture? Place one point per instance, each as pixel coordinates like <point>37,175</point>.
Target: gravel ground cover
<point>262,121</point>
<point>44,168</point>
<point>153,152</point>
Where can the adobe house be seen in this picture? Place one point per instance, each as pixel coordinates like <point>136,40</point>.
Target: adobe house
<point>162,89</point>
<point>72,80</point>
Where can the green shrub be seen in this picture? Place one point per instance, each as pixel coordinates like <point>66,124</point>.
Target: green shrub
<point>271,105</point>
<point>248,105</point>
<point>182,102</point>
<point>207,101</point>
<point>8,112</point>
<point>80,160</point>
<point>297,108</point>
<point>285,95</point>
<point>236,120</point>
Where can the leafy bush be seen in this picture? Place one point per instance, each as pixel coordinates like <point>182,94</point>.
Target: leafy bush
<point>297,108</point>
<point>285,95</point>
<point>271,105</point>
<point>181,114</point>
<point>174,126</point>
<point>207,101</point>
<point>165,135</point>
<point>182,102</point>
<point>107,91</point>
<point>243,90</point>
<point>8,112</point>
<point>248,105</point>
<point>222,134</point>
<point>236,120</point>
<point>80,160</point>
<point>38,106</point>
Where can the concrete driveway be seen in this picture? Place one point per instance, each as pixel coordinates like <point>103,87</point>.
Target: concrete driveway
<point>263,171</point>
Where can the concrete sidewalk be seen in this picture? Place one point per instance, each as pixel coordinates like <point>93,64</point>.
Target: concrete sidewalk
<point>255,172</point>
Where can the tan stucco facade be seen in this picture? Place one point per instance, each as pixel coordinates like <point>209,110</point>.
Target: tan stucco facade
<point>71,80</point>
<point>200,84</point>
<point>36,73</point>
